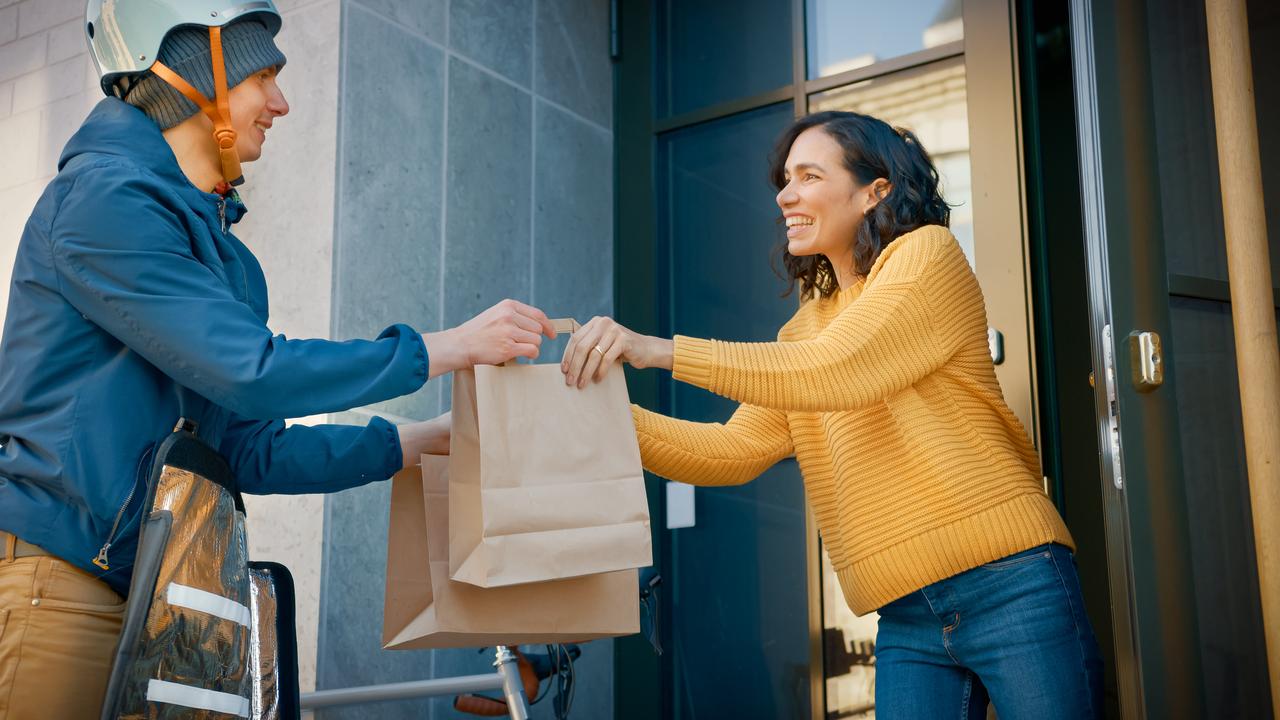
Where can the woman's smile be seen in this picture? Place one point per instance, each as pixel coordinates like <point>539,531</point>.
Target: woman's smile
<point>799,224</point>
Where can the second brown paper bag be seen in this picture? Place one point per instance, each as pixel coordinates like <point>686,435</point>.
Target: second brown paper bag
<point>425,609</point>
<point>545,479</point>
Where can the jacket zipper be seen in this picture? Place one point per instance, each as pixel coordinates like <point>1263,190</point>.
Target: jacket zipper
<point>101,559</point>
<point>226,227</point>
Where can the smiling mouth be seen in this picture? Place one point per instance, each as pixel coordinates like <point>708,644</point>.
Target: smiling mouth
<point>797,224</point>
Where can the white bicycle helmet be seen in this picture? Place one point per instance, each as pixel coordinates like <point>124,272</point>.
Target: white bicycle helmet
<point>125,36</point>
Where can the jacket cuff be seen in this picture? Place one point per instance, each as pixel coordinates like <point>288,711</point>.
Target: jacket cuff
<point>692,363</point>
<point>393,460</point>
<point>410,342</point>
<point>422,359</point>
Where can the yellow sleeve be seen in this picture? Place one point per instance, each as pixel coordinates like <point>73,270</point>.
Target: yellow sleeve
<point>912,317</point>
<point>729,453</point>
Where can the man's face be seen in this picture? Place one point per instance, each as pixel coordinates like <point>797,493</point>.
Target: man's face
<point>255,103</point>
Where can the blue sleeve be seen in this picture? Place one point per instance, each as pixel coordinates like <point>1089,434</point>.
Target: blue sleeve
<point>126,262</point>
<point>269,458</point>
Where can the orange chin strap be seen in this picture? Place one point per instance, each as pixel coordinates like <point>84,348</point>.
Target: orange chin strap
<point>219,111</point>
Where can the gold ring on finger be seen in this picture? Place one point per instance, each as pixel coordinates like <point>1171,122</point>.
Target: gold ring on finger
<point>599,350</point>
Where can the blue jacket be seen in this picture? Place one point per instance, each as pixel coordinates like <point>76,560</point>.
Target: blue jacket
<point>132,305</point>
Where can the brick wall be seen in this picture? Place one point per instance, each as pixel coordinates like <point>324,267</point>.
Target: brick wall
<point>47,86</point>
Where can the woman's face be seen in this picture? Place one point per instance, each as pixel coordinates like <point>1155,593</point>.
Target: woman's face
<point>822,201</point>
<point>255,103</point>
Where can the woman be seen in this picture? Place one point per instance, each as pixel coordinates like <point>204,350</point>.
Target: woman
<point>926,488</point>
<point>133,305</point>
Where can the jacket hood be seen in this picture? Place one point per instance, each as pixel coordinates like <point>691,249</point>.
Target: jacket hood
<point>115,127</point>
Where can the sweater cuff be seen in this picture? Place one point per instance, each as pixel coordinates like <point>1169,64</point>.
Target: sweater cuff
<point>639,419</point>
<point>692,363</point>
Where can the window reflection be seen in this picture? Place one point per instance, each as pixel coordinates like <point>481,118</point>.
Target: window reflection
<point>848,653</point>
<point>708,55</point>
<point>929,101</point>
<point>848,34</point>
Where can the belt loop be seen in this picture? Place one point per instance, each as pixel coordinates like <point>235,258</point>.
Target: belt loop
<point>10,546</point>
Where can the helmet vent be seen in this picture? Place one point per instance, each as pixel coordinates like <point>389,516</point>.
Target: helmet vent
<point>89,29</point>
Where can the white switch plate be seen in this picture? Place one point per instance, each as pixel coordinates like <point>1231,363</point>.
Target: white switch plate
<point>679,505</point>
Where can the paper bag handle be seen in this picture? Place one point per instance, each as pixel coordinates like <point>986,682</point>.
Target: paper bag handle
<point>565,325</point>
<point>561,325</point>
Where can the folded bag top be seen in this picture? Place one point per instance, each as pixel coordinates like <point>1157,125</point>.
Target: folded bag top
<point>545,479</point>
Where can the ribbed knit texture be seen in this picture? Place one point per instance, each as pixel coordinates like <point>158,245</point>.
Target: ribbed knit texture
<point>247,48</point>
<point>886,394</point>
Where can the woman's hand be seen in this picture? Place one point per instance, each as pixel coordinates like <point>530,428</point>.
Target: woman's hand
<point>502,333</point>
<point>424,438</point>
<point>602,342</point>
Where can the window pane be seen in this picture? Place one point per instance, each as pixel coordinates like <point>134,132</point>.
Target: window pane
<point>738,578</point>
<point>848,34</point>
<point>709,54</point>
<point>931,102</point>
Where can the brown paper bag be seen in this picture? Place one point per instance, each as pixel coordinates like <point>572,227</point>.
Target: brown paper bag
<point>425,609</point>
<point>546,481</point>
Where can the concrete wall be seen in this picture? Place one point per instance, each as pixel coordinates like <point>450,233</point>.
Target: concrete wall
<point>475,163</point>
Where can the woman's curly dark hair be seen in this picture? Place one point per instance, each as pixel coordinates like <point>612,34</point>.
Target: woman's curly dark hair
<point>872,149</point>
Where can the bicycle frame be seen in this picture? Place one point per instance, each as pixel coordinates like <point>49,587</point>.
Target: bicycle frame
<point>506,678</point>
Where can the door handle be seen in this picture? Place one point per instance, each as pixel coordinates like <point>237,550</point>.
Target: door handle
<point>1146,360</point>
<point>995,340</point>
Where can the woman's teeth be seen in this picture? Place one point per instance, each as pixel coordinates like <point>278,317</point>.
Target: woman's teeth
<point>797,220</point>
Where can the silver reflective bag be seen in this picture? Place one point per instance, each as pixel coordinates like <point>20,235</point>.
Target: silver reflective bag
<point>207,634</point>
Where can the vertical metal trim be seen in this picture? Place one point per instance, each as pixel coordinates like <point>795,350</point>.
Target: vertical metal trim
<point>813,542</point>
<point>998,197</point>
<point>615,44</point>
<point>1024,214</point>
<point>1116,510</point>
<point>799,59</point>
<point>813,568</point>
<point>668,63</point>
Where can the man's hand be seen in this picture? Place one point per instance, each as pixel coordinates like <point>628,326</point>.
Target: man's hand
<point>430,438</point>
<point>502,333</point>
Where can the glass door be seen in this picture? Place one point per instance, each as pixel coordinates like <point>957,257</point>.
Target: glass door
<point>931,67</point>
<point>756,617</point>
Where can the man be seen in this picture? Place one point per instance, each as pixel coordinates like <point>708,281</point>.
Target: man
<point>133,305</point>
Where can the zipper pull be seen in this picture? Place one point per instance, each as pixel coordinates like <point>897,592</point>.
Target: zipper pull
<point>222,214</point>
<point>101,560</point>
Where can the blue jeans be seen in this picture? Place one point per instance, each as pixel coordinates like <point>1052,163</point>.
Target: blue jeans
<point>1013,631</point>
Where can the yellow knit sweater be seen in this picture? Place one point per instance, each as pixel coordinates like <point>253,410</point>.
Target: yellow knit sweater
<point>915,467</point>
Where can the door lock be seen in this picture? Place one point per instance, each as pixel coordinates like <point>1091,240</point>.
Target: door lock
<point>1146,360</point>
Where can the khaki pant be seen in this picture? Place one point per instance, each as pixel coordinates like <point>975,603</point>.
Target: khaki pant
<point>58,632</point>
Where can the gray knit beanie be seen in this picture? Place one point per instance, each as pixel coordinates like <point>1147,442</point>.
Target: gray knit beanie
<point>247,48</point>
